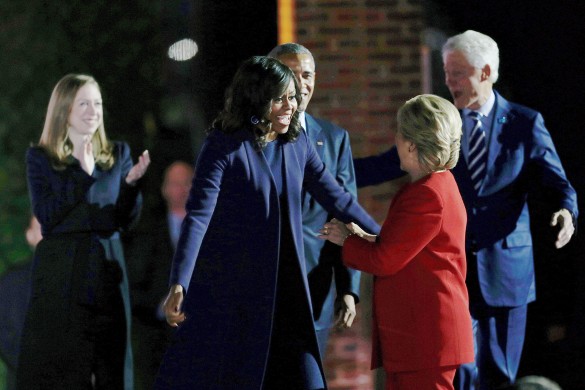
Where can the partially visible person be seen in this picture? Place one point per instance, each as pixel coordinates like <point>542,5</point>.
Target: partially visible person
<point>239,292</point>
<point>518,160</point>
<point>533,382</point>
<point>14,284</point>
<point>421,321</point>
<point>334,287</point>
<point>83,190</point>
<point>149,265</point>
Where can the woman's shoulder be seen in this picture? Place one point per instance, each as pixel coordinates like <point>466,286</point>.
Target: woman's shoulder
<point>37,152</point>
<point>227,142</point>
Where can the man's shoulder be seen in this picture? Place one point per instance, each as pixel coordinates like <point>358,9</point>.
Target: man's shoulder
<point>327,125</point>
<point>514,108</point>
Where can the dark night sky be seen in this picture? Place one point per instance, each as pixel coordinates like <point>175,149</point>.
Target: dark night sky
<point>542,48</point>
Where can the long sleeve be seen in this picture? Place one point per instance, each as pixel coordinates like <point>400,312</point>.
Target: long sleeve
<point>413,220</point>
<point>129,201</point>
<point>334,198</point>
<point>374,170</point>
<point>549,168</point>
<point>54,194</point>
<point>347,280</point>
<point>203,197</point>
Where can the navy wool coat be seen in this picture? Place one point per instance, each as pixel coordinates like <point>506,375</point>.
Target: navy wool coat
<point>227,258</point>
<point>81,217</point>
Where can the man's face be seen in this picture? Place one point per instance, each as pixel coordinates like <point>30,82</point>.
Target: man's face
<point>469,86</point>
<point>303,67</point>
<point>176,185</point>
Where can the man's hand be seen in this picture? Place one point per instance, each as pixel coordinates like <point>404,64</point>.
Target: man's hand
<point>563,219</point>
<point>345,311</point>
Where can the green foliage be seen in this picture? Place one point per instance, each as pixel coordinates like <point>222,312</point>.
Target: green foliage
<point>2,375</point>
<point>119,43</point>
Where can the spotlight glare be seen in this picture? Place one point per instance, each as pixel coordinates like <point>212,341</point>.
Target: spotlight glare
<point>183,50</point>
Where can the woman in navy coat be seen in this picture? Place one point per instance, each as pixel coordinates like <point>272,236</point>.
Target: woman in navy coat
<point>239,293</point>
<point>83,192</point>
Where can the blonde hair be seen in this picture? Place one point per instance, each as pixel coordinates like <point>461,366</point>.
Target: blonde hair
<point>55,139</point>
<point>433,124</point>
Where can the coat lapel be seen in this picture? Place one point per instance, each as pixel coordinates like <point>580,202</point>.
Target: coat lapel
<point>315,133</point>
<point>500,121</point>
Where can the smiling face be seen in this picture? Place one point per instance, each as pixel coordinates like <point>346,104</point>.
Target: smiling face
<point>86,111</point>
<point>281,112</point>
<point>303,68</point>
<point>469,86</point>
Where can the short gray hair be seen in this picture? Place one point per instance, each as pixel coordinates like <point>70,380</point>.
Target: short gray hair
<point>433,124</point>
<point>290,48</point>
<point>478,48</point>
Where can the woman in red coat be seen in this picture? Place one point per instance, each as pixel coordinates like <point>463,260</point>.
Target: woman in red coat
<point>422,328</point>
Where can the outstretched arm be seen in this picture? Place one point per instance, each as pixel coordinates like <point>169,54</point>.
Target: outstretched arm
<point>374,170</point>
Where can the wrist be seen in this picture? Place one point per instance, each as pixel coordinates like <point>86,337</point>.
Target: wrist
<point>346,236</point>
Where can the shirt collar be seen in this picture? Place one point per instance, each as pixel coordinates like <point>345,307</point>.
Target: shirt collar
<point>486,108</point>
<point>303,120</point>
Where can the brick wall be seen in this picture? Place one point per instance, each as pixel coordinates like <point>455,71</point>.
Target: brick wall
<point>368,57</point>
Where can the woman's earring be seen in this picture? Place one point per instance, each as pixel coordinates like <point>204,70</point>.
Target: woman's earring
<point>254,120</point>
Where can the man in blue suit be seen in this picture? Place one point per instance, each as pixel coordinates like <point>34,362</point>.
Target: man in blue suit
<point>334,288</point>
<point>518,158</point>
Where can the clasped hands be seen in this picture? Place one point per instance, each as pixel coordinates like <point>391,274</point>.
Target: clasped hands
<point>337,232</point>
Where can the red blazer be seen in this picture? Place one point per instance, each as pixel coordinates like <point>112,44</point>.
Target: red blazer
<point>420,302</point>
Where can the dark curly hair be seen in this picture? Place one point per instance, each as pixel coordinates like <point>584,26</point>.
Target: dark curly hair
<point>257,82</point>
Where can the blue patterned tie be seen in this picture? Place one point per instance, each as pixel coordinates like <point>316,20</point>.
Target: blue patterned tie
<point>477,151</point>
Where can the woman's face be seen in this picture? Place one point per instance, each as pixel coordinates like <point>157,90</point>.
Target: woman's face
<point>282,110</point>
<point>86,111</point>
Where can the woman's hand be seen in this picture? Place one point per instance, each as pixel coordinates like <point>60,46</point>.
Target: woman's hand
<point>172,306</point>
<point>139,169</point>
<point>335,231</point>
<point>83,152</point>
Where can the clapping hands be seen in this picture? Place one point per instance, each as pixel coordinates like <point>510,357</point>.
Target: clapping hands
<point>139,169</point>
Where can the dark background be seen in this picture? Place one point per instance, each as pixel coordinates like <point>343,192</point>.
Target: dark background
<point>155,103</point>
<point>542,47</point>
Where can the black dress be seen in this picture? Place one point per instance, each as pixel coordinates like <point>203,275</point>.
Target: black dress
<point>292,363</point>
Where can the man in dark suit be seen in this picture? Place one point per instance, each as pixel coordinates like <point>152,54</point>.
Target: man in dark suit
<point>501,167</point>
<point>149,266</point>
<point>334,288</point>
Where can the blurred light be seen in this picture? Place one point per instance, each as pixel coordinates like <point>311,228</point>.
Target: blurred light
<point>286,21</point>
<point>183,50</point>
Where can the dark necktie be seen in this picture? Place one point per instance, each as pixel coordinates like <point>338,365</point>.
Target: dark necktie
<point>477,151</point>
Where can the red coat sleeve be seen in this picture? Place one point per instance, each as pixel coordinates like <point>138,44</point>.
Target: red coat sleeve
<point>414,218</point>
